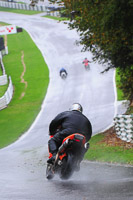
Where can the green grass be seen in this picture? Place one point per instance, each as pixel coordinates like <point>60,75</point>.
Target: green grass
<point>104,153</point>
<point>119,91</point>
<point>20,113</point>
<point>56,18</point>
<point>3,24</point>
<point>1,73</point>
<point>26,12</point>
<point>21,2</point>
<point>3,89</point>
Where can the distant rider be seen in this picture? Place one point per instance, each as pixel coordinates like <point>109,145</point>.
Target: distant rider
<point>65,124</point>
<point>63,70</point>
<point>86,63</point>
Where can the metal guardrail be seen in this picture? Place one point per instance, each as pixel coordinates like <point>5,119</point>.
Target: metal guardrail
<point>2,65</point>
<point>6,98</point>
<point>22,6</point>
<point>124,127</point>
<point>4,51</point>
<point>3,78</point>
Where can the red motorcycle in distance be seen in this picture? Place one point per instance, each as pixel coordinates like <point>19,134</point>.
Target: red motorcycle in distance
<point>68,157</point>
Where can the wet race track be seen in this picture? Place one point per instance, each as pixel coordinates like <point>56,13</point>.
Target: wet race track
<point>23,164</point>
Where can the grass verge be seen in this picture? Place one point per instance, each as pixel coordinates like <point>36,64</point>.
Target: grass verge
<point>1,73</point>
<point>13,10</point>
<point>106,147</point>
<point>3,89</point>
<point>56,18</point>
<point>22,110</point>
<point>119,91</point>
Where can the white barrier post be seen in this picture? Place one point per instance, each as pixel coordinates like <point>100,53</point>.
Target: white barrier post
<point>124,127</point>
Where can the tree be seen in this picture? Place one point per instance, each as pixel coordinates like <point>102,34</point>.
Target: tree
<point>105,29</point>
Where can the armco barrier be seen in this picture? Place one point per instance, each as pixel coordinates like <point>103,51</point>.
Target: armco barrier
<point>6,98</point>
<point>1,63</point>
<point>4,51</point>
<point>3,78</point>
<point>22,6</point>
<point>124,127</point>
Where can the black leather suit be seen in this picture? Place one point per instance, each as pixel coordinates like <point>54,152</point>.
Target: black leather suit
<point>67,123</point>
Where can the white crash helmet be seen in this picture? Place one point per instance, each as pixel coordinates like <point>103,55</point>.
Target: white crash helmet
<point>76,106</point>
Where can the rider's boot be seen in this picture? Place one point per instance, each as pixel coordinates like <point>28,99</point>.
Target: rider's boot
<point>49,171</point>
<point>50,167</point>
<point>52,159</point>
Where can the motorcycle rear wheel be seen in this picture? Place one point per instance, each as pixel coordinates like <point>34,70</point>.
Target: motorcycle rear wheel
<point>67,168</point>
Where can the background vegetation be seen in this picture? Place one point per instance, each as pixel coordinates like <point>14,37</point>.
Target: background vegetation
<point>120,95</point>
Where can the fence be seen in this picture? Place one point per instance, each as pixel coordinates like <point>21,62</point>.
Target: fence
<point>6,98</point>
<point>124,127</point>
<point>4,51</point>
<point>1,63</point>
<point>28,7</point>
<point>3,78</point>
<point>22,6</point>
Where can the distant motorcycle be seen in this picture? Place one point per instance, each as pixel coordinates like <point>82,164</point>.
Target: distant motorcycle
<point>68,157</point>
<point>63,75</point>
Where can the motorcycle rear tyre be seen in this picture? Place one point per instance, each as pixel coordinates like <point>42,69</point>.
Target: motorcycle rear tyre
<point>67,168</point>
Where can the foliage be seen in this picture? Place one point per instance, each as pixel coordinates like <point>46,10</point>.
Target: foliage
<point>126,83</point>
<point>105,29</point>
<point>129,111</point>
<point>120,95</point>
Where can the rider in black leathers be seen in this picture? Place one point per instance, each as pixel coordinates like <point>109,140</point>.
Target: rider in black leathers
<point>65,124</point>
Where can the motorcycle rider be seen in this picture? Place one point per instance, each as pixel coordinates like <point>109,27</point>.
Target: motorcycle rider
<point>63,70</point>
<point>86,63</point>
<point>65,124</point>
